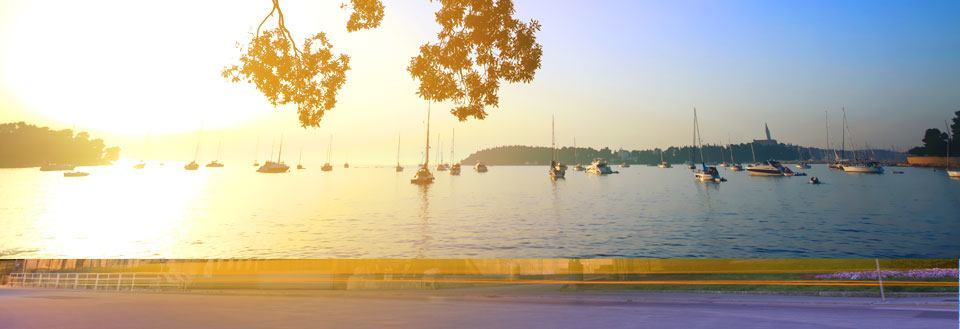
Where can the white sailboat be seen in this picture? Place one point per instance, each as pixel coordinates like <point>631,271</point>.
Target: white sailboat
<point>423,175</point>
<point>734,165</point>
<point>275,167</point>
<point>663,164</point>
<point>455,167</point>
<point>193,165</point>
<point>398,168</point>
<point>440,165</point>
<point>951,172</point>
<point>861,166</point>
<point>705,173</point>
<point>578,167</point>
<point>557,170</point>
<point>216,163</point>
<point>327,166</point>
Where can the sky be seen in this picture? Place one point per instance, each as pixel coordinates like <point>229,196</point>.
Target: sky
<point>145,75</point>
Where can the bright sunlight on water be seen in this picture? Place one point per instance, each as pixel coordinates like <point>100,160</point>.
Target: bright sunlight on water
<point>516,212</point>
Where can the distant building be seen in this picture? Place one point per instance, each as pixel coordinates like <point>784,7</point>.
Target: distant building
<point>769,140</point>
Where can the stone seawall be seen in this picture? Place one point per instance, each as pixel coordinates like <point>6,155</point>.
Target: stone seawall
<point>932,161</point>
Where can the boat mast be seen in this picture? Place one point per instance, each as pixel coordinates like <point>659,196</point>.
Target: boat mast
<point>826,123</point>
<point>426,152</point>
<point>753,153</point>
<point>300,158</point>
<point>843,135</point>
<point>730,145</point>
<point>398,149</point>
<point>279,153</point>
<point>945,123</point>
<point>453,141</point>
<point>697,139</point>
<point>553,141</point>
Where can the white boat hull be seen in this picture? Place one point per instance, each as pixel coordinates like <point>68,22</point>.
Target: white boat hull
<point>953,173</point>
<point>863,169</point>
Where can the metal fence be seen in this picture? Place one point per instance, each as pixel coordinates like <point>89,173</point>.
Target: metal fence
<point>99,281</point>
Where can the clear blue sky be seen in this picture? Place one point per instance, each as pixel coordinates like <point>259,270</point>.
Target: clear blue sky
<point>615,73</point>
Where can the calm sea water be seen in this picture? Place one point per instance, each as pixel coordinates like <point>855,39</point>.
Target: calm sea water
<point>515,212</point>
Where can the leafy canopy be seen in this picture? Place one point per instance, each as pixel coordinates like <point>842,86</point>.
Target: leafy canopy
<point>480,44</point>
<point>309,77</point>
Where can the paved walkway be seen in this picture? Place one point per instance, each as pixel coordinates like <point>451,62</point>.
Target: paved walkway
<point>466,308</point>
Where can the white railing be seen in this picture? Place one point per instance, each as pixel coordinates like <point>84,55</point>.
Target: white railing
<point>99,281</point>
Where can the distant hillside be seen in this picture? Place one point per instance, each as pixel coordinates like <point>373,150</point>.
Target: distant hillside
<point>25,145</point>
<point>539,155</point>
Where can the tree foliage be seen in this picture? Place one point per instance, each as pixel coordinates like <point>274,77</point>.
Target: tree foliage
<point>309,77</point>
<point>480,44</point>
<point>935,141</point>
<point>26,145</point>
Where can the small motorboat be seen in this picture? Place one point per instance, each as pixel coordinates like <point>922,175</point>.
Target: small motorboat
<point>191,166</point>
<point>708,174</point>
<point>814,180</point>
<point>140,165</point>
<point>624,165</point>
<point>75,174</point>
<point>326,167</point>
<point>766,168</point>
<point>214,164</point>
<point>600,167</point>
<point>443,167</point>
<point>950,173</point>
<point>454,169</point>
<point>735,167</point>
<point>301,167</point>
<point>346,165</point>
<point>802,165</point>
<point>664,164</point>
<point>579,167</point>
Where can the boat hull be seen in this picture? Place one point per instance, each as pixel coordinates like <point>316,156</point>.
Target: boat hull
<point>863,170</point>
<point>953,173</point>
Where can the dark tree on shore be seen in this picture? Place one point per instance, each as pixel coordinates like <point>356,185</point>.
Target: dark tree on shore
<point>309,76</point>
<point>25,145</point>
<point>935,141</point>
<point>479,45</point>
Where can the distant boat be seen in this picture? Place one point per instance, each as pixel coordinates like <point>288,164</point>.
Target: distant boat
<point>455,167</point>
<point>733,165</point>
<point>440,165</point>
<point>327,166</point>
<point>275,167</point>
<point>140,165</point>
<point>423,175</point>
<point>814,180</point>
<point>578,167</point>
<point>75,174</point>
<point>193,165</point>
<point>398,168</point>
<point>346,165</point>
<point>663,164</point>
<point>216,163</point>
<point>871,167</point>
<point>56,167</point>
<point>766,168</point>
<point>951,172</point>
<point>705,173</point>
<point>557,170</point>
<point>624,165</point>
<point>480,167</point>
<point>256,163</point>
<point>300,160</point>
<point>801,164</point>
<point>599,166</point>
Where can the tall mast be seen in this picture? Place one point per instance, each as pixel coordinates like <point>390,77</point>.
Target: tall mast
<point>398,149</point>
<point>453,141</point>
<point>826,124</point>
<point>753,153</point>
<point>426,152</point>
<point>279,153</point>
<point>949,139</point>
<point>843,135</point>
<point>553,140</point>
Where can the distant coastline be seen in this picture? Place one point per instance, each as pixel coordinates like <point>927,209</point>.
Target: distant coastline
<point>541,155</point>
<point>23,145</point>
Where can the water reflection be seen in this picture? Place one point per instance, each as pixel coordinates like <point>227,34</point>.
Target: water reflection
<point>423,245</point>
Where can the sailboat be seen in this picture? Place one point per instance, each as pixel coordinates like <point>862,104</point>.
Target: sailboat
<point>951,172</point>
<point>326,166</point>
<point>300,160</point>
<point>863,166</point>
<point>839,160</point>
<point>398,168</point>
<point>557,169</point>
<point>256,155</point>
<point>663,164</point>
<point>275,167</point>
<point>440,165</point>
<point>193,164</point>
<point>734,165</point>
<point>705,173</point>
<point>801,164</point>
<point>423,175</point>
<point>578,167</point>
<point>455,167</point>
<point>216,163</point>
